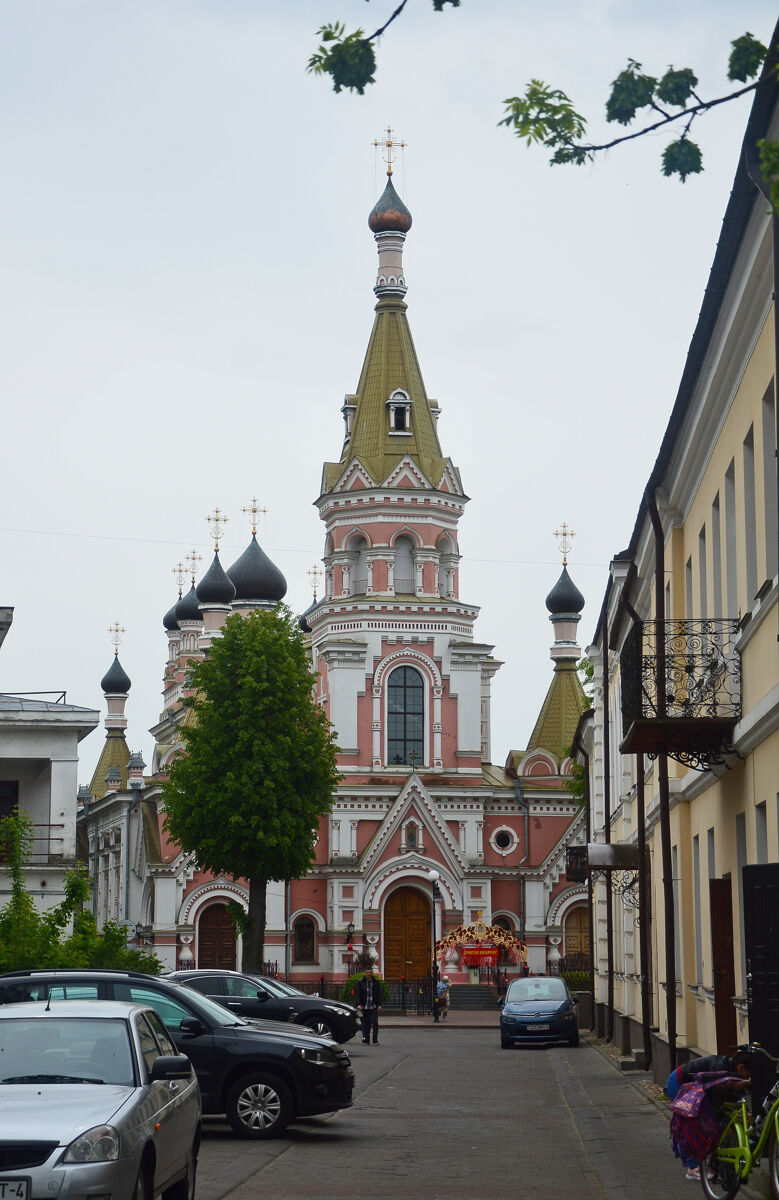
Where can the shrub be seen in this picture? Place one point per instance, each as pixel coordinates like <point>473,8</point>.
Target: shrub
<point>578,981</point>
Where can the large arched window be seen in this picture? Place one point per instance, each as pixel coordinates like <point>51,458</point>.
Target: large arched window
<point>305,941</point>
<point>405,717</point>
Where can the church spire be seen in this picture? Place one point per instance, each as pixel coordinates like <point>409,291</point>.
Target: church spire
<point>390,417</point>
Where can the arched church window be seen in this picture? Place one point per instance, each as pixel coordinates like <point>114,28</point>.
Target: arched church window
<point>405,717</point>
<point>411,837</point>
<point>404,566</point>
<point>399,405</point>
<point>305,943</point>
<point>358,549</point>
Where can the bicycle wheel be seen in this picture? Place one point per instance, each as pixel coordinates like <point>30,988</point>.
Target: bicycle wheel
<point>773,1166</point>
<point>720,1177</point>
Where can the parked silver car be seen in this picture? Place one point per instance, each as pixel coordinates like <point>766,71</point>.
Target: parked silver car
<point>94,1100</point>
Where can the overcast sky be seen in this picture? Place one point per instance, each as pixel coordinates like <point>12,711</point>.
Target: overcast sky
<point>187,275</point>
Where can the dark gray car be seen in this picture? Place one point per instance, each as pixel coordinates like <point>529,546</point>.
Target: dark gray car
<point>258,997</point>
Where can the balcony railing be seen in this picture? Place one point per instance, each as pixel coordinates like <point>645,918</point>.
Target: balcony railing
<point>48,846</point>
<point>681,690</point>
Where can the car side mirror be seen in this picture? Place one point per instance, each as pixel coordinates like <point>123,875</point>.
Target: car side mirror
<point>575,999</point>
<point>192,1026</point>
<point>262,994</point>
<point>171,1066</point>
<point>501,1001</point>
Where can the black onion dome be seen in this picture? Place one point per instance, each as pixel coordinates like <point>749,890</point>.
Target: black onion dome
<point>255,577</point>
<point>389,214</point>
<point>188,607</point>
<point>565,597</point>
<point>116,679</point>
<point>169,621</point>
<point>303,624</point>
<point>215,587</point>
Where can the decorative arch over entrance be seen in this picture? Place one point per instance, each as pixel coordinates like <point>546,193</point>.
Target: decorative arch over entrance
<point>216,939</point>
<point>407,934</point>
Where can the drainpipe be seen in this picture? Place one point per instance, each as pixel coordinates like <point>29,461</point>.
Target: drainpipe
<point>135,767</point>
<point>607,835</point>
<point>643,898</point>
<point>579,749</point>
<point>525,806</point>
<point>85,796</point>
<point>662,780</point>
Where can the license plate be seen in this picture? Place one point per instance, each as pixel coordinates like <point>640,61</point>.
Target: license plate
<point>14,1189</point>
<point>530,1029</point>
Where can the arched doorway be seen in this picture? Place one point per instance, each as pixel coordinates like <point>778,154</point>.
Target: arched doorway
<point>216,939</point>
<point>407,933</point>
<point>577,932</point>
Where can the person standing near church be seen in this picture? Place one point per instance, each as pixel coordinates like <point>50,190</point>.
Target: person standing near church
<point>369,1005</point>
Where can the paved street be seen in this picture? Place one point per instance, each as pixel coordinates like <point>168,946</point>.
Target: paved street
<point>442,1113</point>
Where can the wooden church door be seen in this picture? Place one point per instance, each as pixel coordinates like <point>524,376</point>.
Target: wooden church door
<point>216,939</point>
<point>407,933</point>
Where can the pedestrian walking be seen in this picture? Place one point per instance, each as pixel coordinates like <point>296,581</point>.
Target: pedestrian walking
<point>442,992</point>
<point>369,1006</point>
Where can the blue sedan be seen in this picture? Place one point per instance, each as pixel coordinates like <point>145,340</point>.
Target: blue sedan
<point>538,1009</point>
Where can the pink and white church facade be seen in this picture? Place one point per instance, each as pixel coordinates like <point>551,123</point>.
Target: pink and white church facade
<point>406,686</point>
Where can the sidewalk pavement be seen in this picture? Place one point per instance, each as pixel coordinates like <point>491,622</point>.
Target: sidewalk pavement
<point>462,1018</point>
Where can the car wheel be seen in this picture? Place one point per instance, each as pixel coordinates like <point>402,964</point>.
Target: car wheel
<point>573,1040</point>
<point>319,1025</point>
<point>184,1189</point>
<point>259,1106</point>
<point>505,1042</point>
<point>144,1189</point>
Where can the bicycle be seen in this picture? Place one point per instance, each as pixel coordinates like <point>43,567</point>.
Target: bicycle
<point>741,1145</point>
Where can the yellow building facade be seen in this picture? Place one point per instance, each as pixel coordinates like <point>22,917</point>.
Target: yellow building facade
<point>686,657</point>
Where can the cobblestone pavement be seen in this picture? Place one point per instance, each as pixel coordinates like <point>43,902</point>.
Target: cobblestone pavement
<point>442,1113</point>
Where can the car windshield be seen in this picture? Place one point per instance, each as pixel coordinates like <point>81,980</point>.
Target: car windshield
<point>537,989</point>
<point>172,1009</point>
<point>277,986</point>
<point>54,1049</point>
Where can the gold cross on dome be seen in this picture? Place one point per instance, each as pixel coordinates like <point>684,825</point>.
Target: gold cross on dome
<point>314,575</point>
<point>179,574</point>
<point>193,559</point>
<point>389,144</point>
<point>255,511</point>
<point>115,632</point>
<point>217,521</point>
<point>564,535</point>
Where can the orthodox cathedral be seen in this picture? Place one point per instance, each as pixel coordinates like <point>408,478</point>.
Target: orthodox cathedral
<point>425,833</point>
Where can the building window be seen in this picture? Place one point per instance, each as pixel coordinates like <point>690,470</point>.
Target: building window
<point>399,406</point>
<point>405,717</point>
<point>411,837</point>
<point>304,940</point>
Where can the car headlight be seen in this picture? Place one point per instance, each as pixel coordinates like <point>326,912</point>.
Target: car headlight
<point>342,1012</point>
<point>100,1144</point>
<point>317,1055</point>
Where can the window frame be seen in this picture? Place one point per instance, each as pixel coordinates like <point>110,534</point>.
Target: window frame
<point>423,739</point>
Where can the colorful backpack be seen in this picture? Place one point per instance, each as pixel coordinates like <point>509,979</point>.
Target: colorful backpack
<point>694,1124</point>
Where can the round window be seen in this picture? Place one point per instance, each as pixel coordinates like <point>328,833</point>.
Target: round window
<point>503,839</point>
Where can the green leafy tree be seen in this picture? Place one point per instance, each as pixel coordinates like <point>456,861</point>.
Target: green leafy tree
<point>546,115</point>
<point>259,763</point>
<point>64,936</point>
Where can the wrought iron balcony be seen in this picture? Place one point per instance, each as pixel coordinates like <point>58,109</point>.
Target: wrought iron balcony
<point>681,690</point>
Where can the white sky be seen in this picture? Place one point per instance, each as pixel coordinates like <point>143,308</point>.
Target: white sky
<point>187,275</point>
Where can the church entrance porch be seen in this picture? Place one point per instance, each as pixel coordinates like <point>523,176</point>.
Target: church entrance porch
<point>407,935</point>
<point>216,939</point>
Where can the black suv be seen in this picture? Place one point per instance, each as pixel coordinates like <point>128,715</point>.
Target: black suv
<point>261,1075</point>
<point>255,996</point>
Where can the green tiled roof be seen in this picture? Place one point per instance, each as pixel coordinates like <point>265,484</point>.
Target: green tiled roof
<point>116,753</point>
<point>390,363</point>
<point>564,704</point>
